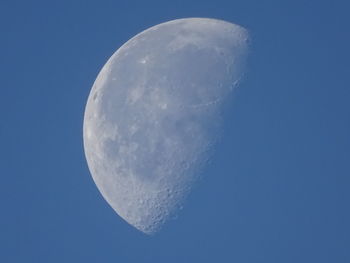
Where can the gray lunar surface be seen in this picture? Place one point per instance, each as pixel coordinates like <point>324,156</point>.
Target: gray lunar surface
<point>155,112</point>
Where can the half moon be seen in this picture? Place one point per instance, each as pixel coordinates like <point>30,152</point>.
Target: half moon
<point>155,112</point>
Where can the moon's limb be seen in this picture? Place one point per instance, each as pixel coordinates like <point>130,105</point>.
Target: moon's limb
<point>155,110</point>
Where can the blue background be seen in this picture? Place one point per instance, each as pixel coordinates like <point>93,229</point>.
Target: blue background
<point>277,189</point>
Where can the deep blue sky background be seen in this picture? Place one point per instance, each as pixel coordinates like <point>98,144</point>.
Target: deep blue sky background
<point>277,190</point>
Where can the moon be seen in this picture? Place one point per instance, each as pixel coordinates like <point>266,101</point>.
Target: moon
<point>155,113</point>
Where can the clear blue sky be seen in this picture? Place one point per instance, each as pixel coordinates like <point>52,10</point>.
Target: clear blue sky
<point>277,190</point>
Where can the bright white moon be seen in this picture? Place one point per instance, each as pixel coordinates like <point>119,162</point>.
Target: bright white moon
<point>154,113</point>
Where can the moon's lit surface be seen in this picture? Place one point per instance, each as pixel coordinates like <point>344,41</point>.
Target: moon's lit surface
<point>154,114</point>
